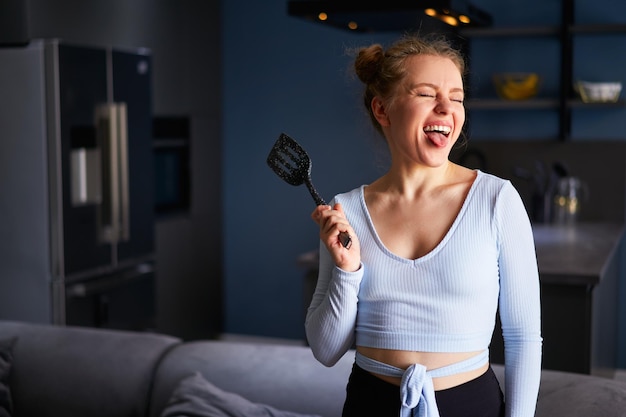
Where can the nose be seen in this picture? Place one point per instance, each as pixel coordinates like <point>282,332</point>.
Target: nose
<point>443,105</point>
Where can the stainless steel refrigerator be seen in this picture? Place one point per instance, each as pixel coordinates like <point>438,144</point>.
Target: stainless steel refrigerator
<point>76,186</point>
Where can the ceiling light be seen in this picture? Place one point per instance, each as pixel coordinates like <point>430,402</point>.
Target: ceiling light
<point>391,15</point>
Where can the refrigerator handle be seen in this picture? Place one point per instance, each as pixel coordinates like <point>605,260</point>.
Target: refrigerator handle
<point>110,283</point>
<point>124,208</point>
<point>114,224</point>
<point>108,215</point>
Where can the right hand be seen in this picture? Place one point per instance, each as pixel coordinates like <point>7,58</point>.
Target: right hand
<point>332,221</point>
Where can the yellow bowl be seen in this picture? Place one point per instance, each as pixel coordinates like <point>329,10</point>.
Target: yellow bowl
<point>516,85</point>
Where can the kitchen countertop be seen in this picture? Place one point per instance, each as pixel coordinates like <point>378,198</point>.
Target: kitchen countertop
<point>578,254</point>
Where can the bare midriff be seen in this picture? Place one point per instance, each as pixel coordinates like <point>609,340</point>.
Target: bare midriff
<point>431,360</point>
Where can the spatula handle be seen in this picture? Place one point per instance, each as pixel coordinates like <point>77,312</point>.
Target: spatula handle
<point>344,237</point>
<point>316,196</point>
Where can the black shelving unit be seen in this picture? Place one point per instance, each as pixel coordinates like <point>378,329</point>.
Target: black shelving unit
<point>567,99</point>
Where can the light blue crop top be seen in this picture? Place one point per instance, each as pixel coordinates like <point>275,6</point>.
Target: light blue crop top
<point>444,301</point>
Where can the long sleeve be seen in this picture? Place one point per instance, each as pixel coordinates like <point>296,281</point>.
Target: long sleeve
<point>519,305</point>
<point>331,317</point>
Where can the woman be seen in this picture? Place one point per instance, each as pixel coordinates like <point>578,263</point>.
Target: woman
<point>436,249</point>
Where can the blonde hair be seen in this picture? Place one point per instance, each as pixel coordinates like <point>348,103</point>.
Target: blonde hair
<point>382,70</point>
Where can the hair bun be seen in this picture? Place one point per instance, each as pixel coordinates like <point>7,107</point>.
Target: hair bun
<point>368,62</point>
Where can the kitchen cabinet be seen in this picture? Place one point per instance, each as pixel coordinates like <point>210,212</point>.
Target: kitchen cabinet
<point>566,99</point>
<point>579,271</point>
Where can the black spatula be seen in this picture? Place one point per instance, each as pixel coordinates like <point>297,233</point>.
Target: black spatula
<point>290,162</point>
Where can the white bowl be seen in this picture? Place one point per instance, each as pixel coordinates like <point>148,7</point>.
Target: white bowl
<point>598,92</point>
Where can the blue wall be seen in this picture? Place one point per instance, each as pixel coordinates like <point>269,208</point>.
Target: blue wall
<point>282,74</point>
<point>285,74</point>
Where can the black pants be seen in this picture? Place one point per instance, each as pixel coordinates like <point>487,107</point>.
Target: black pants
<point>368,395</point>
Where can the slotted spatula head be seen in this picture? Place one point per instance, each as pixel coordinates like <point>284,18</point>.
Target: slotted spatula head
<point>290,162</point>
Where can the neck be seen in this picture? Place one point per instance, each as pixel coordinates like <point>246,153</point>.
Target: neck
<point>417,179</point>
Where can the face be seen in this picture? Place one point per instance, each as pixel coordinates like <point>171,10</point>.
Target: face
<point>426,115</point>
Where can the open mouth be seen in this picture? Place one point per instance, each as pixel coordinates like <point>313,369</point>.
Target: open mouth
<point>444,130</point>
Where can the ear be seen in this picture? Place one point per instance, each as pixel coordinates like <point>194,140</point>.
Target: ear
<point>380,111</point>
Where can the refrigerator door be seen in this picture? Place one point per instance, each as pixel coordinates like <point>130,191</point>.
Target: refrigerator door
<point>132,80</point>
<point>81,87</point>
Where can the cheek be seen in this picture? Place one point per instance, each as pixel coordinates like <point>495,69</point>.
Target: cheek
<point>460,120</point>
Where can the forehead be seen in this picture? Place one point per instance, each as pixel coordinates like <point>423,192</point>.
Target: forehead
<point>433,69</point>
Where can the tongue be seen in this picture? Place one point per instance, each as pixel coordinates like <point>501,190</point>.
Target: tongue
<point>437,139</point>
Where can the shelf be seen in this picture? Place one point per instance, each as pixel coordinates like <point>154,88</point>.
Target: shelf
<point>511,31</point>
<point>522,31</point>
<point>499,104</point>
<point>576,103</point>
<point>564,102</point>
<point>532,104</point>
<point>597,29</point>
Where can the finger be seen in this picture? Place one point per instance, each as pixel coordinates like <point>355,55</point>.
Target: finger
<point>344,236</point>
<point>316,215</point>
<point>336,232</point>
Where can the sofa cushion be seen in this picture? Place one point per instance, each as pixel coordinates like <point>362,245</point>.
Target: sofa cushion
<point>286,377</point>
<point>195,396</point>
<point>576,395</point>
<point>6,357</point>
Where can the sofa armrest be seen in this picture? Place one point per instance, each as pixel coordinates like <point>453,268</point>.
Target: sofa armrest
<point>78,372</point>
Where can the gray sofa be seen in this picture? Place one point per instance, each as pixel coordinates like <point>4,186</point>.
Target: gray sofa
<point>70,371</point>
